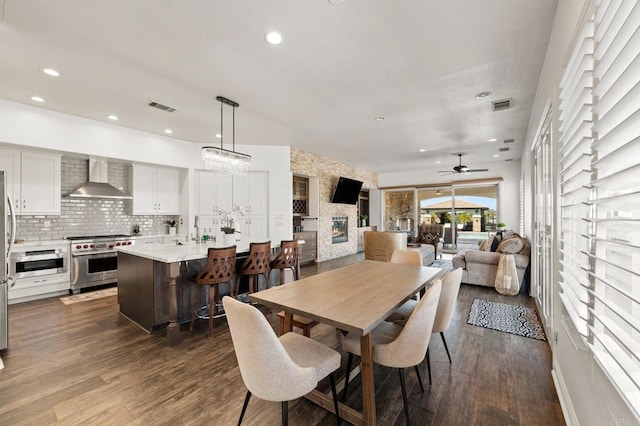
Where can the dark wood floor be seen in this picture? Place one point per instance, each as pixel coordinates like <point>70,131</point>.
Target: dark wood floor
<point>84,364</point>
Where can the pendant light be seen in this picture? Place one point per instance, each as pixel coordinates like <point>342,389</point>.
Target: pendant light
<point>223,160</point>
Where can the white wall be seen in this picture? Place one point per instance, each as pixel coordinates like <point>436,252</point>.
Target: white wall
<point>509,193</point>
<point>586,394</point>
<point>28,126</point>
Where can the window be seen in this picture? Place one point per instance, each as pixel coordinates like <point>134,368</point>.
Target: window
<point>600,191</point>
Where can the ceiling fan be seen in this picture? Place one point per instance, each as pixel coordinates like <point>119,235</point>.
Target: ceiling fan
<point>460,168</point>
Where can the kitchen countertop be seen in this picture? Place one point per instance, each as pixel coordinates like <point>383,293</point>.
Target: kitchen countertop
<point>42,243</point>
<point>170,253</point>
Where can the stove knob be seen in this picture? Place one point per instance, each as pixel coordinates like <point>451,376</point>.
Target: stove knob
<point>92,246</point>
<point>128,243</point>
<point>78,246</point>
<point>117,243</point>
<point>86,246</point>
<point>110,246</point>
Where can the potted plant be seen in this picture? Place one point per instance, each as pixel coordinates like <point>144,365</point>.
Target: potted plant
<point>229,232</point>
<point>501,226</point>
<point>172,226</point>
<point>363,220</point>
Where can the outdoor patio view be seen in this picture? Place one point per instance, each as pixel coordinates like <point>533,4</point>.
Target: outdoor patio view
<point>467,213</point>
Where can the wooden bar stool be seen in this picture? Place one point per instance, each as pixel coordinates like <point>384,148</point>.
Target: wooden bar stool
<point>286,259</point>
<point>256,265</point>
<point>219,269</point>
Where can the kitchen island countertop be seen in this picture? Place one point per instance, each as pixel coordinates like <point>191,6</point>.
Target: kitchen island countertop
<point>171,253</point>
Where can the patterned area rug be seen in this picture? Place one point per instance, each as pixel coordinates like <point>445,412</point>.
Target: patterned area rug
<point>445,265</point>
<point>514,319</point>
<point>92,295</point>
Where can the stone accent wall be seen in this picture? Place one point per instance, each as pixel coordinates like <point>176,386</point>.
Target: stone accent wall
<point>399,207</point>
<point>328,171</point>
<point>89,216</point>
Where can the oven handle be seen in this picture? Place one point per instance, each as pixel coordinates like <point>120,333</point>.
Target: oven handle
<point>94,252</point>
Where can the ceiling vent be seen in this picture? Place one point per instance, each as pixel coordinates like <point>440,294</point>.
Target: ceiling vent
<point>503,149</point>
<point>509,140</point>
<point>501,105</point>
<point>158,105</point>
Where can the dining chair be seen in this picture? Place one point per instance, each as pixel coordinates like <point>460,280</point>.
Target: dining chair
<point>399,347</point>
<point>450,289</point>
<point>219,269</point>
<point>406,257</point>
<point>277,369</point>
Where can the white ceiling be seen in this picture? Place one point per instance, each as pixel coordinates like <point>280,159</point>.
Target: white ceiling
<point>419,63</point>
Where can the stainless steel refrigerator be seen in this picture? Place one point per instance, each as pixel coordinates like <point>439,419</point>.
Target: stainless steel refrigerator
<point>7,236</point>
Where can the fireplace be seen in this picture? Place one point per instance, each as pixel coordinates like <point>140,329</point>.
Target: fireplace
<point>339,229</point>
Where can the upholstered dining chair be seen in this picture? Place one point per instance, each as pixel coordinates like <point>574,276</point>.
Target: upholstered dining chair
<point>277,369</point>
<point>406,257</point>
<point>448,298</point>
<point>399,347</point>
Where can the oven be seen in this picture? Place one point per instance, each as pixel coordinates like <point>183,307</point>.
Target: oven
<point>37,262</point>
<point>95,261</point>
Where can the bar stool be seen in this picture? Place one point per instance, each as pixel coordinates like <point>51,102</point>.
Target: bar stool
<point>219,269</point>
<point>286,259</point>
<point>257,264</point>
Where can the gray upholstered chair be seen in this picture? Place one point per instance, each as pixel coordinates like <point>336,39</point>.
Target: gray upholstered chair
<point>277,369</point>
<point>400,347</point>
<point>448,298</point>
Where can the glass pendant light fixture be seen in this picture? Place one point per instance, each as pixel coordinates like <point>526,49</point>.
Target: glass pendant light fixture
<point>223,160</point>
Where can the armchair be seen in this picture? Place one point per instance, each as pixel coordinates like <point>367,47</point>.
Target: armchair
<point>432,234</point>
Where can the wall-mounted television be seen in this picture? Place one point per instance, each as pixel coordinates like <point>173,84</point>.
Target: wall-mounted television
<point>347,191</point>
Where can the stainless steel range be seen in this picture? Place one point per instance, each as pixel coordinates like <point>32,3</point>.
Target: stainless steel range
<point>94,259</point>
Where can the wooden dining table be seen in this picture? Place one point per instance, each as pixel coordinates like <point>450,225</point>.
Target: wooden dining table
<point>355,299</point>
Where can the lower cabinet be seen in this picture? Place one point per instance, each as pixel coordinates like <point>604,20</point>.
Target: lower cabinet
<point>307,252</point>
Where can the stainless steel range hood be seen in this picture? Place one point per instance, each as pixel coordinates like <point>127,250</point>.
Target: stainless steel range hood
<point>97,187</point>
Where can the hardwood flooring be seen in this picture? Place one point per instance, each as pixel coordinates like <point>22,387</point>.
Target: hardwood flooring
<point>85,364</point>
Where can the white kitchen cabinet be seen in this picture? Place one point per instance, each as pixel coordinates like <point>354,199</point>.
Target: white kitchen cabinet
<point>33,180</point>
<point>221,191</point>
<point>156,190</point>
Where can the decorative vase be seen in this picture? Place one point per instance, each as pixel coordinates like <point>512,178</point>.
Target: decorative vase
<point>229,239</point>
<point>363,223</point>
<point>172,230</point>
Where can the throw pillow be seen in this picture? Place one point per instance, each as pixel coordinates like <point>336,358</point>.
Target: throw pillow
<point>489,243</point>
<point>495,243</point>
<point>510,246</point>
<point>482,245</point>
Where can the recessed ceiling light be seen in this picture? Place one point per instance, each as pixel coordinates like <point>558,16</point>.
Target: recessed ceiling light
<point>218,135</point>
<point>422,149</point>
<point>168,131</point>
<point>496,155</point>
<point>37,99</point>
<point>438,162</point>
<point>112,117</point>
<point>51,72</point>
<point>493,140</point>
<point>381,118</point>
<point>273,37</point>
<point>483,95</point>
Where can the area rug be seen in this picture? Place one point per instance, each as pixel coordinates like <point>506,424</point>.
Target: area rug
<point>444,264</point>
<point>514,319</point>
<point>92,295</point>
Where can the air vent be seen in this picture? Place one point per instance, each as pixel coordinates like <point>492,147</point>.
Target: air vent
<point>501,105</point>
<point>503,149</point>
<point>509,159</point>
<point>509,140</point>
<point>161,106</point>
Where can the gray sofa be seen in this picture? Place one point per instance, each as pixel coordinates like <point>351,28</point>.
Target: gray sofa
<point>480,266</point>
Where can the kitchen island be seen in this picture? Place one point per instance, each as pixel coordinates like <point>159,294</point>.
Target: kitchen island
<point>155,284</point>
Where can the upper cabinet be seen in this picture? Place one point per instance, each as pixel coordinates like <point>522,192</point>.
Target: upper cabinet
<point>156,190</point>
<point>33,181</point>
<point>300,196</point>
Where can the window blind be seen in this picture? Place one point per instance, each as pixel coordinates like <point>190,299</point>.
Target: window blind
<point>600,191</point>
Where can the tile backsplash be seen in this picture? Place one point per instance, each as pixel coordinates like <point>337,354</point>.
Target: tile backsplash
<point>90,216</point>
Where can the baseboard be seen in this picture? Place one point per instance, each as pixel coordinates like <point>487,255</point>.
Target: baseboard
<point>565,400</point>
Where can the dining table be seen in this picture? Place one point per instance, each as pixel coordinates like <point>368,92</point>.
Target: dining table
<point>355,299</point>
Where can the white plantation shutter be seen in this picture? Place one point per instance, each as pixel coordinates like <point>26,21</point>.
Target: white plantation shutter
<point>575,158</point>
<point>600,192</point>
<point>614,261</point>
